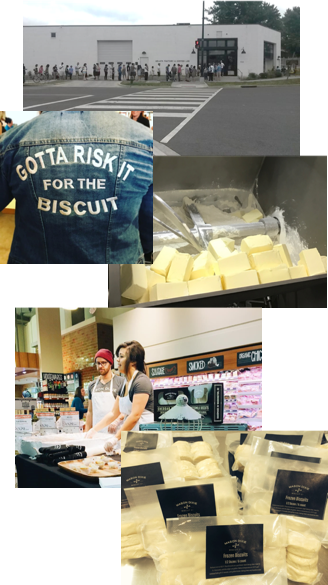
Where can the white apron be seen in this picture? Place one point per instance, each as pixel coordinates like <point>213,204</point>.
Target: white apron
<point>102,404</point>
<point>125,406</point>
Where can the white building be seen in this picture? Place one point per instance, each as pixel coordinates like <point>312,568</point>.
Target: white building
<point>243,48</point>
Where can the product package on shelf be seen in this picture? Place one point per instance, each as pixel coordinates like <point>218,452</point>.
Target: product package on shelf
<point>141,468</point>
<point>139,441</point>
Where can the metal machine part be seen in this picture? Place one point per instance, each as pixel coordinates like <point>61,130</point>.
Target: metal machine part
<point>269,226</point>
<point>176,221</point>
<point>204,235</point>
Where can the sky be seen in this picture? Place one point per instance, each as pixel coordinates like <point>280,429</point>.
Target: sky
<point>20,117</point>
<point>127,12</point>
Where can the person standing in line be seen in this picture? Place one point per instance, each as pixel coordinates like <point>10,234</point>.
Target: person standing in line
<point>218,71</point>
<point>70,71</point>
<point>105,71</point>
<point>179,72</point>
<point>41,70</point>
<point>132,72</point>
<point>119,71</point>
<point>77,69</point>
<point>146,72</point>
<point>98,71</point>
<point>85,71</point>
<point>94,71</point>
<point>168,73</point>
<point>152,71</point>
<point>47,71</point>
<point>113,72</point>
<point>174,72</point>
<point>158,70</point>
<point>128,69</point>
<point>222,68</point>
<point>24,71</point>
<point>139,72</point>
<point>124,72</point>
<point>187,72</point>
<point>193,73</point>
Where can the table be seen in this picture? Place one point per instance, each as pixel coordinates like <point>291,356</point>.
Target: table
<point>32,474</point>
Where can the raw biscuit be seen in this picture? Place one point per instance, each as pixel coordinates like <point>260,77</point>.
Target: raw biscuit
<point>200,451</point>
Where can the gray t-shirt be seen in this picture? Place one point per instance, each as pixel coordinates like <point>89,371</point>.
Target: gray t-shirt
<point>142,385</point>
<point>118,386</point>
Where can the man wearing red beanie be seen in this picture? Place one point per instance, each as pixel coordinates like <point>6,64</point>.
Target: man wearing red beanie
<point>103,390</point>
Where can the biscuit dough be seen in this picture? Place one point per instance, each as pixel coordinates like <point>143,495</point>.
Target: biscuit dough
<point>302,575</point>
<point>131,540</point>
<point>301,562</point>
<point>184,451</point>
<point>133,552</point>
<point>200,451</point>
<point>188,471</point>
<point>303,545</point>
<point>208,468</point>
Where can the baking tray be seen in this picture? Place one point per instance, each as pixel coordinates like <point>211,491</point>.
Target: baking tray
<point>65,465</point>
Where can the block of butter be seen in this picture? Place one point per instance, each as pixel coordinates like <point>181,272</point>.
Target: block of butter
<point>234,264</point>
<point>133,281</point>
<point>275,275</point>
<point>168,290</point>
<point>240,280</point>
<point>297,271</point>
<point>324,260</point>
<point>153,278</point>
<point>265,260</point>
<point>204,285</point>
<point>312,261</point>
<point>254,244</point>
<point>180,269</point>
<point>203,265</point>
<point>284,254</point>
<point>145,296</point>
<point>219,249</point>
<point>163,261</point>
<point>252,216</point>
<point>229,243</point>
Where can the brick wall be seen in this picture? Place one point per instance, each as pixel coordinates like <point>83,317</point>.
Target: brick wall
<point>85,342</point>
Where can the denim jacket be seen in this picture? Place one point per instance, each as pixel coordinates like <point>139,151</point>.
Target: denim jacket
<point>83,188</point>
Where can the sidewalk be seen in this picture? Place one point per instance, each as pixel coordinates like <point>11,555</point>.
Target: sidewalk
<point>192,82</point>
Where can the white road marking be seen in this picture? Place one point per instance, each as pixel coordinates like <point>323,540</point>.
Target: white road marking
<point>182,124</point>
<point>116,109</point>
<point>58,101</point>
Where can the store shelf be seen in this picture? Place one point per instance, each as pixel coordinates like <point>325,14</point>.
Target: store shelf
<point>205,427</point>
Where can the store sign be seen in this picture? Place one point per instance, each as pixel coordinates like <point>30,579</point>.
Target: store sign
<point>47,420</point>
<point>162,371</point>
<point>249,358</point>
<point>70,421</point>
<point>53,377</point>
<point>212,363</point>
<point>25,403</point>
<point>23,423</point>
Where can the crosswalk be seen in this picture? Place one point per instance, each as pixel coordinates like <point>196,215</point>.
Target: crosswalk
<point>171,102</point>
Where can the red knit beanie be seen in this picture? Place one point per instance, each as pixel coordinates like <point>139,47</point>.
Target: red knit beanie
<point>106,355</point>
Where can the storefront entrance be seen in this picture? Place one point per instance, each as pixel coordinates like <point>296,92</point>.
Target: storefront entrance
<point>217,50</point>
<point>269,61</point>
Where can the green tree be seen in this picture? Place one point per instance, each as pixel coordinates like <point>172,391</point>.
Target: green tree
<point>245,13</point>
<point>290,38</point>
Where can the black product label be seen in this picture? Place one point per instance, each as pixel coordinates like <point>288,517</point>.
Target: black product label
<point>124,500</point>
<point>160,371</point>
<point>218,403</point>
<point>299,493</point>
<point>292,439</point>
<point>140,442</point>
<point>249,358</point>
<point>295,457</point>
<point>170,395</point>
<point>141,475</point>
<point>212,363</point>
<point>187,502</point>
<point>187,439</point>
<point>234,550</point>
<point>243,437</point>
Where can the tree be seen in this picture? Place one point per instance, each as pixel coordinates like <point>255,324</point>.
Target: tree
<point>245,13</point>
<point>290,40</point>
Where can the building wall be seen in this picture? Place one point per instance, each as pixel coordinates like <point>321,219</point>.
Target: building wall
<point>162,44</point>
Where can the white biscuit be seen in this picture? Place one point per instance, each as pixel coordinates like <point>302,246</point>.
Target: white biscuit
<point>200,451</point>
<point>303,545</point>
<point>301,575</point>
<point>183,448</point>
<point>301,562</point>
<point>188,471</point>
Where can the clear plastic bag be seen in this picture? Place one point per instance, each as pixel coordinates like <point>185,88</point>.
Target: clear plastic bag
<point>182,555</point>
<point>292,481</point>
<point>143,441</point>
<point>242,451</point>
<point>167,458</point>
<point>131,540</point>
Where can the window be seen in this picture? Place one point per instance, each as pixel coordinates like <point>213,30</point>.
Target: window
<point>53,35</point>
<point>221,43</point>
<point>231,43</point>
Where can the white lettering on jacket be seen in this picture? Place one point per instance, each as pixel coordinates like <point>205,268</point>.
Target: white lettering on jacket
<point>65,207</point>
<point>56,156</point>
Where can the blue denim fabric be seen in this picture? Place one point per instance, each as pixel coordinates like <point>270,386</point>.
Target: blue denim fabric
<point>89,198</point>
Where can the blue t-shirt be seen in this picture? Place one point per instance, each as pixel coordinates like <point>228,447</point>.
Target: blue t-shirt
<point>78,405</point>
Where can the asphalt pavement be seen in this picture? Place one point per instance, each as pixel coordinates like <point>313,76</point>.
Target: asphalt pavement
<point>192,119</point>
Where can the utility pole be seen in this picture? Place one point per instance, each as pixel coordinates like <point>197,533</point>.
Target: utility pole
<point>201,79</point>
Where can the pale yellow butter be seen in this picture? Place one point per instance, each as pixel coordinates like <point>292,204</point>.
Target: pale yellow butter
<point>235,263</point>
<point>125,301</point>
<point>204,285</point>
<point>180,269</point>
<point>168,290</point>
<point>163,261</point>
<point>133,281</point>
<point>275,275</point>
<point>252,216</point>
<point>229,243</point>
<point>219,249</point>
<point>297,271</point>
<point>255,244</point>
<point>246,278</point>
<point>284,254</point>
<point>324,261</point>
<point>265,260</point>
<point>312,261</point>
<point>203,266</point>
<point>153,278</point>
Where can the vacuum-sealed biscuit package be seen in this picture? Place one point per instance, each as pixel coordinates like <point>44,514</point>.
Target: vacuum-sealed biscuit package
<point>226,550</point>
